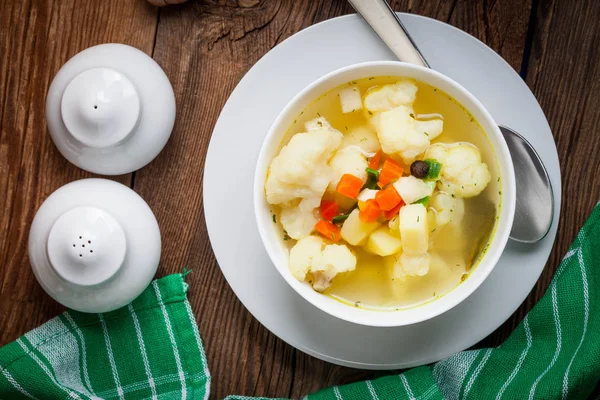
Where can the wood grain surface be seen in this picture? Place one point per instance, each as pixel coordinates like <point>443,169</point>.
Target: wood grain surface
<point>205,47</point>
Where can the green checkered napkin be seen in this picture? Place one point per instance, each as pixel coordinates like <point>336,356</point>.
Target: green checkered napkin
<point>152,349</point>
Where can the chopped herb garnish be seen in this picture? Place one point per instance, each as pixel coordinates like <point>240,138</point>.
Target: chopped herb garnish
<point>333,237</point>
<point>418,218</point>
<point>318,122</point>
<point>354,82</point>
<point>302,113</point>
<point>340,218</point>
<point>397,308</point>
<point>434,169</point>
<point>472,119</point>
<point>433,230</point>
<point>371,78</point>
<point>295,121</point>
<point>318,114</point>
<point>426,133</point>
<point>274,218</point>
<point>434,89</point>
<point>346,127</point>
<point>424,201</point>
<point>452,194</point>
<point>354,109</point>
<point>372,172</point>
<point>462,187</point>
<point>500,192</point>
<point>370,113</point>
<point>356,303</point>
<point>412,115</point>
<point>433,294</point>
<point>498,179</point>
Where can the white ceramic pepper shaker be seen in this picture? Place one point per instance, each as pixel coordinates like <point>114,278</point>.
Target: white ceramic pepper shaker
<point>110,109</point>
<point>94,245</point>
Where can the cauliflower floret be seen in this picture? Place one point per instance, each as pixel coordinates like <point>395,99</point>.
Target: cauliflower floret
<point>300,170</point>
<point>383,98</point>
<point>334,259</point>
<point>302,254</point>
<point>399,133</point>
<point>448,209</point>
<point>317,123</point>
<point>324,263</point>
<point>349,160</point>
<point>299,221</point>
<point>463,173</point>
<point>363,137</point>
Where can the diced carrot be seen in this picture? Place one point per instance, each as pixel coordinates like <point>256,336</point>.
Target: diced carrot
<point>390,171</point>
<point>328,230</point>
<point>374,161</point>
<point>370,212</point>
<point>349,186</point>
<point>394,211</point>
<point>388,198</point>
<point>329,209</point>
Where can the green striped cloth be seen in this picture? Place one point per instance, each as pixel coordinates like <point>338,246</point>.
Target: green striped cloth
<point>151,349</point>
<point>553,354</point>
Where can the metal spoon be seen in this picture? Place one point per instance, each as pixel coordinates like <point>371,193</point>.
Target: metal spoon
<point>535,201</point>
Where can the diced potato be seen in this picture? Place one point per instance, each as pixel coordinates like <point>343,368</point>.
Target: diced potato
<point>362,137</point>
<point>350,99</point>
<point>414,229</point>
<point>414,264</point>
<point>302,254</point>
<point>367,194</point>
<point>383,243</point>
<point>354,231</point>
<point>412,189</point>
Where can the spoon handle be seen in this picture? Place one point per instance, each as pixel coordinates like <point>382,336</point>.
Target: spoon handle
<point>388,27</point>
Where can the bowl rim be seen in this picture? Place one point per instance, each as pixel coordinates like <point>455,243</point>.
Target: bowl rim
<point>439,305</point>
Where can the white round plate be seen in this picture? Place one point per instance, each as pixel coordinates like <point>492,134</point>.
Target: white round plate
<point>238,135</point>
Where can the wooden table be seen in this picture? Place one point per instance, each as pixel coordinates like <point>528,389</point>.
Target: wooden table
<point>206,47</point>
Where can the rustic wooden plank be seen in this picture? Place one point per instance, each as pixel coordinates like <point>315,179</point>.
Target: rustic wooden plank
<point>36,38</point>
<point>193,40</point>
<point>563,74</point>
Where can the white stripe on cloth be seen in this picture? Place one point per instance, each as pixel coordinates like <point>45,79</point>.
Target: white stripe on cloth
<point>173,342</point>
<point>111,357</point>
<point>39,362</point>
<point>62,353</point>
<point>409,391</point>
<point>558,342</point>
<point>586,315</point>
<point>16,385</point>
<point>138,331</point>
<point>450,374</point>
<point>74,327</point>
<point>142,385</point>
<point>200,347</point>
<point>337,393</point>
<point>372,390</point>
<point>521,358</point>
<point>487,354</point>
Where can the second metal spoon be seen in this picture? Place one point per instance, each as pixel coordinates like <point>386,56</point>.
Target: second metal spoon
<point>535,200</point>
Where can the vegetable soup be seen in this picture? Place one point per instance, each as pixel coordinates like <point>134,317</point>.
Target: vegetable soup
<point>386,192</point>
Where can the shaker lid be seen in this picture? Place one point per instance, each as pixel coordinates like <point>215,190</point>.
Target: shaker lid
<point>110,109</point>
<point>94,245</point>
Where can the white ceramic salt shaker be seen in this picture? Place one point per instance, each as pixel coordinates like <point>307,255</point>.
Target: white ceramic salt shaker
<point>94,245</point>
<point>110,109</point>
